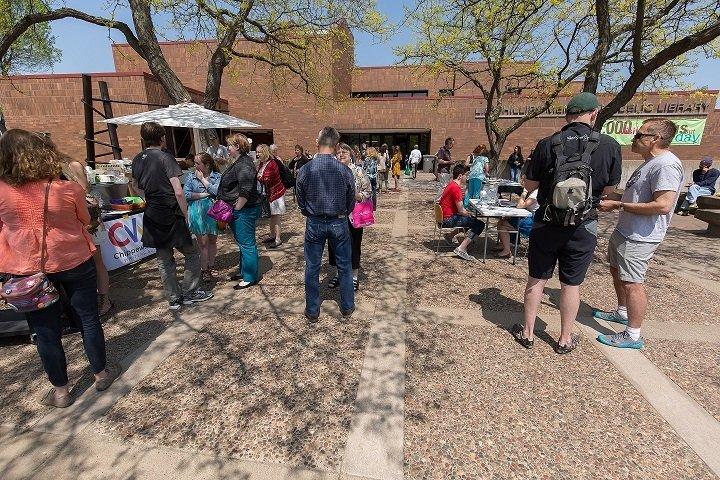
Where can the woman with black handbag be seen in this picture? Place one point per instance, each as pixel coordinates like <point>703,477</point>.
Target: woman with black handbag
<point>42,234</point>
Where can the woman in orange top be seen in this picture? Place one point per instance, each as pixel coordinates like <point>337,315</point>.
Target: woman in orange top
<point>28,162</point>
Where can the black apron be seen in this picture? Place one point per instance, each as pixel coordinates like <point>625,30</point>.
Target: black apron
<point>164,226</point>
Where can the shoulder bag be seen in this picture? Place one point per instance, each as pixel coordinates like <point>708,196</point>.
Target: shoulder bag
<point>34,292</point>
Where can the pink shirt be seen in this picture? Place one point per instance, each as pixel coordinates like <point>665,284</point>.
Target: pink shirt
<point>21,227</point>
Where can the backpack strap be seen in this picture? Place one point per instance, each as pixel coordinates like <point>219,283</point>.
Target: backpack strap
<point>590,146</point>
<point>558,146</point>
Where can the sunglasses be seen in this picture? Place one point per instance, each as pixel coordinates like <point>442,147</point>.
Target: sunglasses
<point>639,135</point>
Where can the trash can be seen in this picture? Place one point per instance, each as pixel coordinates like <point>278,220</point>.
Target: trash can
<point>428,161</point>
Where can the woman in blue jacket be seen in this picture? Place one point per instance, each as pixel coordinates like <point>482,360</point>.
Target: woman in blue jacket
<point>200,190</point>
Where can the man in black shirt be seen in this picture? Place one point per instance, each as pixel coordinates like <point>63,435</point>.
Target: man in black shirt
<point>164,222</point>
<point>571,246</point>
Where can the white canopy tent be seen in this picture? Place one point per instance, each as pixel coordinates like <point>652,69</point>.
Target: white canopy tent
<point>186,115</point>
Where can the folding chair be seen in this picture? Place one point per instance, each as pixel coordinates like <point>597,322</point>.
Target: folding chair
<point>439,229</point>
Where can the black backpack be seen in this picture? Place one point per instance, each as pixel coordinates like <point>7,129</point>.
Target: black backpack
<point>570,198</point>
<point>286,175</point>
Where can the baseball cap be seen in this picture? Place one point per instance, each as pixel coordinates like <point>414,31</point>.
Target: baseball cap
<point>582,102</point>
<point>707,161</point>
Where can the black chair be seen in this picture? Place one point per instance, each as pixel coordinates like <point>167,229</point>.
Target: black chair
<point>516,189</point>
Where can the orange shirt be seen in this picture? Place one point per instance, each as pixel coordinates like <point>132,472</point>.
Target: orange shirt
<point>21,227</point>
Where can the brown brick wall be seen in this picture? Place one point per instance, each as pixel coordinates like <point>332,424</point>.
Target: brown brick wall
<point>51,103</point>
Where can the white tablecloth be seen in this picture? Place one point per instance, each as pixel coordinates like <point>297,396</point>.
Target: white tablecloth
<point>497,211</point>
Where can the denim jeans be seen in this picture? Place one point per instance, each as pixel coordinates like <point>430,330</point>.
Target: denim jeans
<point>475,225</point>
<point>373,186</point>
<point>168,271</point>
<point>515,174</point>
<point>693,193</point>
<point>80,285</point>
<point>335,231</point>
<point>243,225</point>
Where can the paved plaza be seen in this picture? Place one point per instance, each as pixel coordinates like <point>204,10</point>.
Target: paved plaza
<point>423,382</point>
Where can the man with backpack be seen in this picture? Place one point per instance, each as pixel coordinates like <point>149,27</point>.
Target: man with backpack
<point>572,170</point>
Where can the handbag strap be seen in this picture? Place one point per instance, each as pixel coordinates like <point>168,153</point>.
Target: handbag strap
<point>44,234</point>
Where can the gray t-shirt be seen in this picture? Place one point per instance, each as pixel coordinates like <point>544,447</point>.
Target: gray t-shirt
<point>664,172</point>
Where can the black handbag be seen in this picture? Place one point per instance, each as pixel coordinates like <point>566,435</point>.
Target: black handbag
<point>264,202</point>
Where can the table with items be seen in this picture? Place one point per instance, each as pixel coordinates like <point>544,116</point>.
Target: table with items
<point>489,207</point>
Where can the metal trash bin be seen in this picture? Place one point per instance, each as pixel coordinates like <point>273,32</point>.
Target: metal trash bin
<point>428,161</point>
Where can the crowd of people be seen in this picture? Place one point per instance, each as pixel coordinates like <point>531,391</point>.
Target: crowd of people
<point>569,178</point>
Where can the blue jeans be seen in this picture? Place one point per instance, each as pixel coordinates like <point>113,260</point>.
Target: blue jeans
<point>373,185</point>
<point>336,232</point>
<point>693,193</point>
<point>515,174</point>
<point>80,285</point>
<point>243,226</point>
<point>475,225</point>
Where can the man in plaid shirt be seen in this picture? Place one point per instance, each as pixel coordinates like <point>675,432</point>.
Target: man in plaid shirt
<point>325,191</point>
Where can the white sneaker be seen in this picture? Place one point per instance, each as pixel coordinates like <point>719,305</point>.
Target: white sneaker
<point>464,255</point>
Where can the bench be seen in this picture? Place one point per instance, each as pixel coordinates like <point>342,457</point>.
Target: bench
<point>709,211</point>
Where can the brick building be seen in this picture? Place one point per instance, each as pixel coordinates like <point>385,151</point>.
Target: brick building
<point>393,104</point>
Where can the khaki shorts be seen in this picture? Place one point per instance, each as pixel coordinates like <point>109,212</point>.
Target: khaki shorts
<point>630,257</point>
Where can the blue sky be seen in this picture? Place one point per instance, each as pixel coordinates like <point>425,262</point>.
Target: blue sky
<point>86,48</point>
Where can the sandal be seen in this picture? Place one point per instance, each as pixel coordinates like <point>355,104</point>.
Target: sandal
<point>268,239</point>
<point>518,331</point>
<point>334,282</point>
<point>49,400</point>
<point>356,284</point>
<point>564,349</point>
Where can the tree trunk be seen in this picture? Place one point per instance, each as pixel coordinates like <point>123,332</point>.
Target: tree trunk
<point>592,74</point>
<point>3,128</point>
<point>153,54</point>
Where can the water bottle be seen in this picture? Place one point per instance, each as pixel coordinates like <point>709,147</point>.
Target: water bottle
<point>483,197</point>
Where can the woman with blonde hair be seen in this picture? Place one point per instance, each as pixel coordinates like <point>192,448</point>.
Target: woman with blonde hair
<point>370,166</point>
<point>395,162</point>
<point>269,177</point>
<point>200,191</point>
<point>42,229</point>
<point>238,187</point>
<point>74,170</point>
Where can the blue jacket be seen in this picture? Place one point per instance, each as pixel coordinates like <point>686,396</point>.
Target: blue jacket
<point>706,179</point>
<point>193,185</point>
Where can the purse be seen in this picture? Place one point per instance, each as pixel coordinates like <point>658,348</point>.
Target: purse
<point>221,211</point>
<point>264,202</point>
<point>362,215</point>
<point>33,292</point>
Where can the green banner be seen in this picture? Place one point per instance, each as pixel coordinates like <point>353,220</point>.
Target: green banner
<point>690,130</point>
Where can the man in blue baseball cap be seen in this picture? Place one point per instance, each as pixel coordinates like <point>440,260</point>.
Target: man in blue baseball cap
<point>704,179</point>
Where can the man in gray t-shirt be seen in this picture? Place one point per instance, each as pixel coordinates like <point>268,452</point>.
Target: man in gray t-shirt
<point>646,208</point>
<point>661,173</point>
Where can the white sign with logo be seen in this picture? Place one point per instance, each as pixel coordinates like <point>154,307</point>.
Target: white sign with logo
<point>123,244</point>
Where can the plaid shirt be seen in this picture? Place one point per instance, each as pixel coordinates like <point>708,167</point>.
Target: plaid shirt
<point>325,187</point>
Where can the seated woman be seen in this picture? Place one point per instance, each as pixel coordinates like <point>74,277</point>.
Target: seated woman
<point>523,225</point>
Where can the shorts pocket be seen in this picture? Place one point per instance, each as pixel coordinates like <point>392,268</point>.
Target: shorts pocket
<point>591,227</point>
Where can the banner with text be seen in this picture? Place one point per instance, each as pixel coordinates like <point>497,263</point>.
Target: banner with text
<point>123,244</point>
<point>690,130</point>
